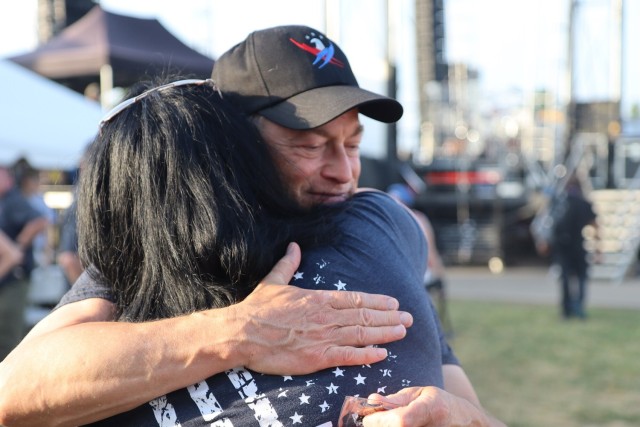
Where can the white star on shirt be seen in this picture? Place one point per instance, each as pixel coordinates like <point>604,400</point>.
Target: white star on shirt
<point>287,377</point>
<point>382,389</point>
<point>310,383</point>
<point>338,372</point>
<point>283,393</point>
<point>297,419</point>
<point>340,285</point>
<point>304,399</point>
<point>386,372</point>
<point>333,389</point>
<point>325,406</point>
<point>298,275</point>
<point>359,379</point>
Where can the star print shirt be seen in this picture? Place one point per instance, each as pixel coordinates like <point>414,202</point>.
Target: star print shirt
<point>383,251</point>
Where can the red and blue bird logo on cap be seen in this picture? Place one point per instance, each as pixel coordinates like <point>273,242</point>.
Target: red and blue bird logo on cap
<point>323,54</point>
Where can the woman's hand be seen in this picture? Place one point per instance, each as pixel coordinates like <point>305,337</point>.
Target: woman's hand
<point>429,407</point>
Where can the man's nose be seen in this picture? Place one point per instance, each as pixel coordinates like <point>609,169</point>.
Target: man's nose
<point>338,166</point>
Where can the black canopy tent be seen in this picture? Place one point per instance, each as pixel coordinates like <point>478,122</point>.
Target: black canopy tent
<point>114,50</point>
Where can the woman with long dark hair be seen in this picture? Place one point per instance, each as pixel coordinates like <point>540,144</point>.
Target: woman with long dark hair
<point>179,210</point>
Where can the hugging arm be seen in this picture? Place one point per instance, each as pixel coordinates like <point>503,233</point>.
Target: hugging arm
<point>90,368</point>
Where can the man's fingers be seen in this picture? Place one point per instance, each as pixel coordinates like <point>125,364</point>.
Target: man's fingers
<point>402,398</point>
<point>367,317</point>
<point>285,268</point>
<point>349,299</point>
<point>361,336</point>
<point>352,356</point>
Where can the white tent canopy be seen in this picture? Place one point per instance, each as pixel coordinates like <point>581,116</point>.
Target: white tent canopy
<point>43,121</point>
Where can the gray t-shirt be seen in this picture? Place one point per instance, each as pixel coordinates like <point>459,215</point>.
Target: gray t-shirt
<point>382,251</point>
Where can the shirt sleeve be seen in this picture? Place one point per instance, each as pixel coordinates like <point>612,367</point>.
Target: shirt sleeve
<point>86,287</point>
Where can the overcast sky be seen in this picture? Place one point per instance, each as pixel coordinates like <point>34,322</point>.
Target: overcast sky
<point>514,44</point>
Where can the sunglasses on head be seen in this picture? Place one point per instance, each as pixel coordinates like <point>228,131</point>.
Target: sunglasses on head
<point>128,102</point>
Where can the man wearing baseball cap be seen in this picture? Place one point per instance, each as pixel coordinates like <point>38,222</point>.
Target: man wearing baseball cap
<point>299,88</point>
<point>296,85</point>
<point>297,78</point>
<point>305,99</point>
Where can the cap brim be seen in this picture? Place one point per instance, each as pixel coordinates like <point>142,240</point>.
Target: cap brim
<point>315,107</point>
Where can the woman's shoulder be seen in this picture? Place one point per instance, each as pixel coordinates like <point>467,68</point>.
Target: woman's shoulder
<point>87,286</point>
<point>370,197</point>
<point>380,204</point>
<point>378,212</point>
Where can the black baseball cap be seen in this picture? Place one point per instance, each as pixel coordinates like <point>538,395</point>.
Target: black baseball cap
<point>296,77</point>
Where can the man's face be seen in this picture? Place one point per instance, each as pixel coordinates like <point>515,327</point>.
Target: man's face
<point>320,165</point>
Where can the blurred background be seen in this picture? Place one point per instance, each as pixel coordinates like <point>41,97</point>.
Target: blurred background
<point>504,101</point>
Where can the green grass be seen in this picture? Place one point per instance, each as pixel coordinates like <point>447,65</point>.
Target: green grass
<point>532,369</point>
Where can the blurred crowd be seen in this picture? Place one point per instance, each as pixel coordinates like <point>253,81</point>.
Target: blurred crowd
<point>36,240</point>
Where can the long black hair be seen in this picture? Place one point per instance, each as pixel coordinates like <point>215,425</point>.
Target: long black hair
<point>180,207</point>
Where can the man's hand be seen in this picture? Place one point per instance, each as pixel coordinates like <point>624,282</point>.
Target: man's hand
<point>286,330</point>
<point>429,407</point>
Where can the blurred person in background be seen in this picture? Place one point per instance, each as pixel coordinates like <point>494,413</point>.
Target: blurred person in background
<point>10,254</point>
<point>568,250</point>
<point>67,257</point>
<point>21,223</point>
<point>28,180</point>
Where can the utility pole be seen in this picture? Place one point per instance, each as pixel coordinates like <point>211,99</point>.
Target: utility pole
<point>432,71</point>
<point>615,64</point>
<point>392,129</point>
<point>561,152</point>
